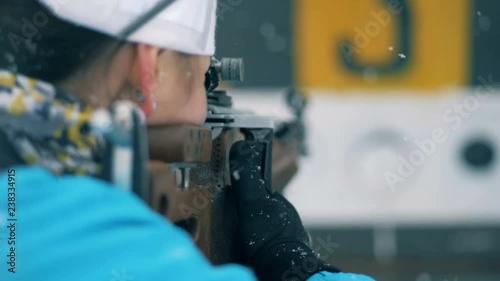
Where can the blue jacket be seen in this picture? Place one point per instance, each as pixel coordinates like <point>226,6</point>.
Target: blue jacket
<point>82,229</point>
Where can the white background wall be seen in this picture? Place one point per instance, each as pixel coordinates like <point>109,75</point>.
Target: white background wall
<point>355,139</point>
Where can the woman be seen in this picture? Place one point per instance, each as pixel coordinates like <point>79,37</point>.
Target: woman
<point>61,60</point>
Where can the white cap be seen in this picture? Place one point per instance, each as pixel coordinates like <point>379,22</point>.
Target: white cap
<point>186,26</point>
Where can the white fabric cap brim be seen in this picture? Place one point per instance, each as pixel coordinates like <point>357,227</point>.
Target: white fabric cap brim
<point>186,26</point>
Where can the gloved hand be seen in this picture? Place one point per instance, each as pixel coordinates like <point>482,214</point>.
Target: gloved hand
<point>274,239</point>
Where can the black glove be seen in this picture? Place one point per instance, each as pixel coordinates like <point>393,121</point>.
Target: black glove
<point>275,242</point>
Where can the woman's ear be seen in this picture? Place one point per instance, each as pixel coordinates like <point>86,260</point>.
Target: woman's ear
<point>146,74</point>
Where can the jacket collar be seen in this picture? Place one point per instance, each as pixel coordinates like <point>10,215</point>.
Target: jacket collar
<point>42,125</point>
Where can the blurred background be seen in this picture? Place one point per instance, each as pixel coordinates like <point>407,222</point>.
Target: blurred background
<point>402,180</point>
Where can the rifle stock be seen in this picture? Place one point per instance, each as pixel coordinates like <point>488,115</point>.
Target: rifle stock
<point>190,183</point>
<point>206,209</point>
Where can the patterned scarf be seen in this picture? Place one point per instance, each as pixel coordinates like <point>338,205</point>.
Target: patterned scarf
<point>47,127</point>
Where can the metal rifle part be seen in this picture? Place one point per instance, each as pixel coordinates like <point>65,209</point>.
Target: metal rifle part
<point>227,69</point>
<point>222,116</point>
<point>230,69</point>
<point>296,128</point>
<point>220,112</point>
<point>219,118</point>
<point>254,127</point>
<point>182,172</point>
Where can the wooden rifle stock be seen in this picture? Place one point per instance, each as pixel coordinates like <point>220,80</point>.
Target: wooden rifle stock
<point>206,209</point>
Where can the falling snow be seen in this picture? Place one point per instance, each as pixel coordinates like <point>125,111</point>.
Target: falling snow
<point>236,175</point>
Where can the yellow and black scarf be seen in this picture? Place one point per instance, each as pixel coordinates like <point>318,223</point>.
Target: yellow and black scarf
<point>47,127</point>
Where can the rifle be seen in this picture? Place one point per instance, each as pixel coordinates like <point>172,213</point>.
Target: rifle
<point>188,166</point>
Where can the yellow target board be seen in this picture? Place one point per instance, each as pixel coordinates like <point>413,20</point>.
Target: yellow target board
<point>413,44</point>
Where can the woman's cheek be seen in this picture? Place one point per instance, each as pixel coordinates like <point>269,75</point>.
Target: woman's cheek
<point>184,105</point>
<point>199,109</point>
